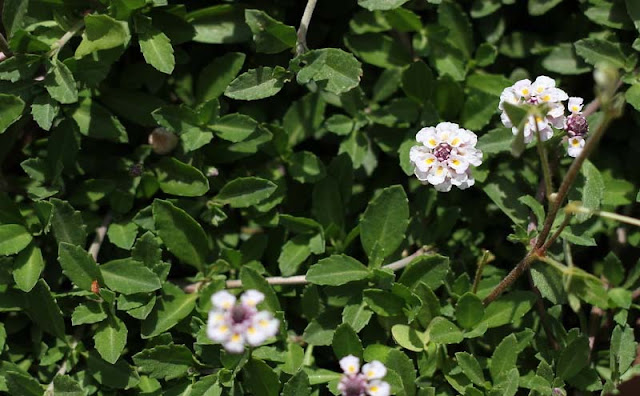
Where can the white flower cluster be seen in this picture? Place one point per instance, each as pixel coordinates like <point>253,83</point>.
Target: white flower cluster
<point>236,324</point>
<point>445,156</point>
<point>543,90</point>
<point>367,382</point>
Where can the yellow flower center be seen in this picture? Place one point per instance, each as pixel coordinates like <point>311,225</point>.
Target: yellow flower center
<point>456,162</point>
<point>455,141</point>
<point>429,161</point>
<point>235,337</point>
<point>432,142</point>
<point>525,91</point>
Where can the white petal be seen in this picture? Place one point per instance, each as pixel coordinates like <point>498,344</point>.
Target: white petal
<point>374,370</point>
<point>445,186</point>
<point>426,162</point>
<point>506,121</point>
<point>216,318</point>
<point>235,344</point>
<point>543,83</point>
<point>575,104</point>
<point>576,144</point>
<point>522,88</point>
<point>252,298</point>
<point>458,163</point>
<point>426,134</point>
<point>255,336</point>
<point>438,174</point>
<point>378,388</point>
<point>350,365</point>
<point>223,300</point>
<point>219,333</point>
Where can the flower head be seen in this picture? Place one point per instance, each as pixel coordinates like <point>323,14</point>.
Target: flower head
<point>367,382</point>
<point>445,156</point>
<point>542,90</point>
<point>236,324</point>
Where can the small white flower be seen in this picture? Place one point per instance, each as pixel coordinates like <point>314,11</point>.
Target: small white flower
<point>223,300</point>
<point>378,388</point>
<point>236,324</point>
<point>445,156</point>
<point>367,382</point>
<point>350,365</point>
<point>374,370</point>
<point>252,297</point>
<point>576,144</point>
<point>575,105</point>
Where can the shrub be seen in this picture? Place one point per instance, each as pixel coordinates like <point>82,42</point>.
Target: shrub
<point>257,197</point>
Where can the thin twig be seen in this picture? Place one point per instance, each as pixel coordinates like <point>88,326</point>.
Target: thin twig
<point>515,273</point>
<point>486,258</point>
<point>302,279</point>
<point>556,234</point>
<point>544,161</point>
<point>94,249</point>
<point>301,45</point>
<point>57,46</point>
<point>573,208</point>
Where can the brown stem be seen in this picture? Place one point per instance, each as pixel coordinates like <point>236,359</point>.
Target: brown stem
<point>515,273</point>
<point>556,234</point>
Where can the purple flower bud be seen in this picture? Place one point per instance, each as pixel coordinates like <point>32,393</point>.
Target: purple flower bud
<point>136,170</point>
<point>353,385</point>
<point>576,125</point>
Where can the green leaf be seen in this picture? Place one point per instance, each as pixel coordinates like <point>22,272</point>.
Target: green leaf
<point>294,252</point>
<point>430,269</point>
<point>595,51</point>
<point>13,239</point>
<point>383,224</point>
<point>220,24</point>
<point>470,367</point>
<point>508,308</point>
<point>346,342</point>
<point>540,7</point>
<point>549,282</point>
<point>128,276</point>
<point>383,303</point>
<point>23,384</point>
<point>79,266</point>
<point>505,193</point>
<point>156,48</point>
<point>305,167</point>
<point>110,338</point>
<point>119,375</point>
<point>245,191</point>
<point>44,110</point>
<point>165,361</point>
<point>87,313</point>
<point>216,76</point>
<point>504,357</point>
<point>259,83</point>
<point>171,308</point>
<point>593,190</point>
<point>332,69</point>
<point>260,378</point>
<point>469,310</point>
<point>123,235</point>
<point>378,50</point>
<point>337,270</point>
<point>251,279</point>
<point>44,310</point>
<point>442,331</point>
<point>27,267</point>
<point>60,83</point>
<point>102,32</point>
<point>573,358</point>
<point>67,223</point>
<point>357,315</point>
<point>234,127</point>
<point>460,35</point>
<point>97,122</point>
<point>563,60</point>
<point>178,178</point>
<point>63,385</point>
<point>10,110</point>
<point>633,9</point>
<point>623,347</point>
<point>298,385</point>
<point>408,337</point>
<point>181,234</point>
<point>418,82</point>
<point>373,5</point>
<point>13,15</point>
<point>271,36</point>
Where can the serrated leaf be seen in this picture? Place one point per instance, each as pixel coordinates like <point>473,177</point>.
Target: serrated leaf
<point>60,83</point>
<point>298,385</point>
<point>27,267</point>
<point>171,308</point>
<point>429,269</point>
<point>442,331</point>
<point>383,224</point>
<point>156,49</point>
<point>469,310</point>
<point>408,337</point>
<point>573,358</point>
<point>87,313</point>
<point>128,276</point>
<point>44,310</point>
<point>102,32</point>
<point>337,270</point>
<point>259,83</point>
<point>10,110</point>
<point>178,178</point>
<point>245,191</point>
<point>470,367</point>
<point>79,266</point>
<point>271,36</point>
<point>44,110</point>
<point>164,361</point>
<point>595,51</point>
<point>373,5</point>
<point>504,357</point>
<point>110,338</point>
<point>67,223</point>
<point>333,69</point>
<point>13,239</point>
<point>181,234</point>
<point>216,76</point>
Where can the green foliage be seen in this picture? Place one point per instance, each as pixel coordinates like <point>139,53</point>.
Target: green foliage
<point>285,167</point>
